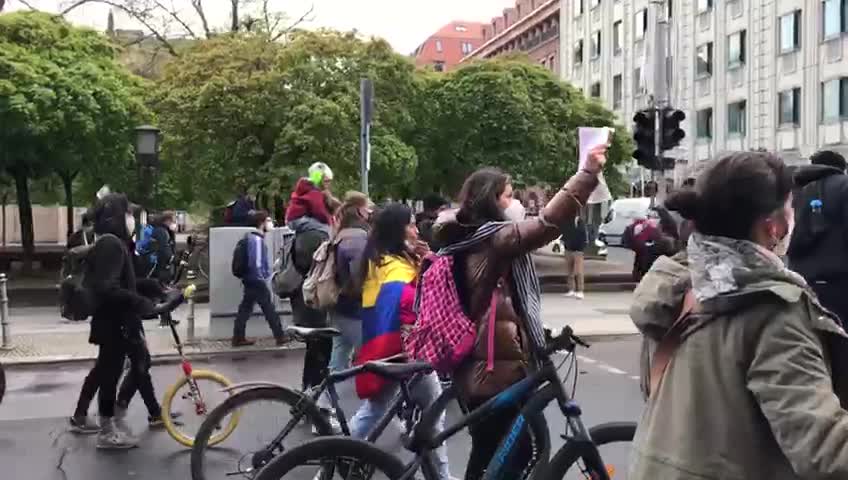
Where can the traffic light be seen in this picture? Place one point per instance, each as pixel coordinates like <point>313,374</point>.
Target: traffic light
<point>672,134</point>
<point>644,130</point>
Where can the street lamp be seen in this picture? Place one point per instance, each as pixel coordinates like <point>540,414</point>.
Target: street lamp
<point>147,139</point>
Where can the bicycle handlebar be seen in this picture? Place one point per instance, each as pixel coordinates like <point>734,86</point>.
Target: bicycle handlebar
<point>174,299</point>
<point>566,340</point>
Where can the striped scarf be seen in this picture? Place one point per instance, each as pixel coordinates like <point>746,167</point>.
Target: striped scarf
<point>525,282</point>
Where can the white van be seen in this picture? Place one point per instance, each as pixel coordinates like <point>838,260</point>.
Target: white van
<point>621,214</point>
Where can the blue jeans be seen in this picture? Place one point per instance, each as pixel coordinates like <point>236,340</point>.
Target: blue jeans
<point>345,344</point>
<point>424,393</point>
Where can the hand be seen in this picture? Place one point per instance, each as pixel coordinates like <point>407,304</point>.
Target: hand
<point>421,248</point>
<point>596,159</point>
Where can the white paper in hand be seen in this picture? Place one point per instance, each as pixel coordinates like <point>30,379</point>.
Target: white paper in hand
<point>591,137</point>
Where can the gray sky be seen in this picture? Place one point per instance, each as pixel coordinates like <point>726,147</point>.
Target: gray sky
<point>404,23</point>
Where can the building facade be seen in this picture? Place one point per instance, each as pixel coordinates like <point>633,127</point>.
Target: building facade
<point>531,27</point>
<point>749,74</point>
<point>446,48</point>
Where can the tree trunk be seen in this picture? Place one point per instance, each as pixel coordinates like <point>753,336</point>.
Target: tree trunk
<point>25,212</point>
<point>68,183</point>
<point>235,18</point>
<point>5,202</point>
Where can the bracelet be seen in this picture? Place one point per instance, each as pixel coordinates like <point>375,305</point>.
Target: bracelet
<point>590,172</point>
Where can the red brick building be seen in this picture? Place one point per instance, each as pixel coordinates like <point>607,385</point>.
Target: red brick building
<point>447,47</point>
<point>532,27</point>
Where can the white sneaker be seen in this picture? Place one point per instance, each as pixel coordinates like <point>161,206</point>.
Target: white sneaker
<point>111,438</point>
<point>579,296</point>
<point>570,294</point>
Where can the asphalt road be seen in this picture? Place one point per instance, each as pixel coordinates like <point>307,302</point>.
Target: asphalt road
<point>35,444</point>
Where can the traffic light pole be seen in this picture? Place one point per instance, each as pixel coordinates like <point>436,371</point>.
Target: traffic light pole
<point>660,95</point>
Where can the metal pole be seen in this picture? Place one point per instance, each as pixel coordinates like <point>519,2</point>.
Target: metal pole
<point>4,313</point>
<point>660,95</point>
<point>190,319</point>
<point>366,94</point>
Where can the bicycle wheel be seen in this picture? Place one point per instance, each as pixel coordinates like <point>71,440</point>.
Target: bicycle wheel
<point>351,458</point>
<point>249,454</point>
<point>571,454</point>
<point>183,430</point>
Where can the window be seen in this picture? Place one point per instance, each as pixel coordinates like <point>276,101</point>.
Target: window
<point>736,118</point>
<point>596,44</point>
<point>790,32</point>
<point>578,52</point>
<point>705,123</point>
<point>641,25</point>
<point>616,92</point>
<point>438,46</point>
<point>789,105</point>
<point>616,37</point>
<point>638,86</point>
<point>596,90</point>
<point>467,48</point>
<point>670,8</point>
<point>834,99</point>
<point>705,60</point>
<point>594,3</point>
<point>461,28</point>
<point>736,48</point>
<point>705,5</point>
<point>439,66</point>
<point>578,7</point>
<point>834,14</point>
<point>552,63</point>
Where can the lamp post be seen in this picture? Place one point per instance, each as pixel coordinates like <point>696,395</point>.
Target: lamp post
<point>147,139</point>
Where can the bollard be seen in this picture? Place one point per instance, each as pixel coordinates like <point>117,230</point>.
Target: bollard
<point>190,319</point>
<point>4,313</point>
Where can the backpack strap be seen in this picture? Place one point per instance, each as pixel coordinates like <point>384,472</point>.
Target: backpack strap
<point>671,341</point>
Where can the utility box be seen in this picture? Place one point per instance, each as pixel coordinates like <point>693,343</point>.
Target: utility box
<point>225,290</point>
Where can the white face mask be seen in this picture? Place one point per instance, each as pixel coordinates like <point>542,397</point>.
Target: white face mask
<point>172,227</point>
<point>515,211</point>
<point>130,224</point>
<point>782,246</point>
<point>269,225</point>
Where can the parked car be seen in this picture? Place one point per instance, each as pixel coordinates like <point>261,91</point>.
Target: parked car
<point>621,214</point>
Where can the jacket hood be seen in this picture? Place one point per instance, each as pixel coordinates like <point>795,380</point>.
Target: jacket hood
<point>304,186</point>
<point>110,216</point>
<point>812,173</point>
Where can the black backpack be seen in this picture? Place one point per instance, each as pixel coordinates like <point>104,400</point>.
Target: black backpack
<point>76,301</point>
<point>240,259</point>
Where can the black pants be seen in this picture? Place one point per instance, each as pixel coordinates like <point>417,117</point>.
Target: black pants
<point>256,291</point>
<point>89,389</point>
<point>833,295</point>
<point>486,437</point>
<point>107,372</point>
<point>138,379</point>
<point>316,361</point>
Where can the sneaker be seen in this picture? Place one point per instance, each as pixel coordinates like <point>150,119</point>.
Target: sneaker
<point>283,341</point>
<point>570,294</point>
<point>111,438</point>
<point>83,425</point>
<point>155,423</point>
<point>579,296</point>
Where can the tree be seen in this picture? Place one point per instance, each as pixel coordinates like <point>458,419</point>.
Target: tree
<point>241,109</point>
<point>505,112</point>
<point>66,106</point>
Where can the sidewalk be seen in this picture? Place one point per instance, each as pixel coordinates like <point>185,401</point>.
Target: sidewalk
<point>39,335</point>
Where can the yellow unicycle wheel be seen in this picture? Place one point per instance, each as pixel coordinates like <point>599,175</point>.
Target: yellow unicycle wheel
<point>187,404</point>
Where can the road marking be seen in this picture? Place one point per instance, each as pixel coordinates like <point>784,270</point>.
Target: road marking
<point>612,369</point>
<point>586,359</point>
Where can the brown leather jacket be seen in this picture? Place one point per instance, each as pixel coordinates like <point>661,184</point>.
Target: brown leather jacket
<point>486,268</point>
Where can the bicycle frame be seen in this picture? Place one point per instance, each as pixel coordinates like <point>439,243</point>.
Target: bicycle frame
<point>423,441</point>
<point>329,386</point>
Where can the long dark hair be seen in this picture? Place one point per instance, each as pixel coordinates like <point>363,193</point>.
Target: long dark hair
<point>479,197</point>
<point>733,193</point>
<point>387,237</point>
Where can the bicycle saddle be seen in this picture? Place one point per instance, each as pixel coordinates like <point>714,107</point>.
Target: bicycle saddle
<point>310,333</point>
<point>397,371</point>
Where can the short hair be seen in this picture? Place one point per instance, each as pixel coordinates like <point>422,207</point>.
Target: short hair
<point>434,202</point>
<point>257,217</point>
<point>830,159</point>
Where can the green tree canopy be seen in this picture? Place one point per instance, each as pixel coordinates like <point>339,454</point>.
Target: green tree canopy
<point>66,106</point>
<point>508,113</point>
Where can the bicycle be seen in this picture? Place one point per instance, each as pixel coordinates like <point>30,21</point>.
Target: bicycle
<point>189,377</point>
<point>535,392</point>
<point>304,408</point>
